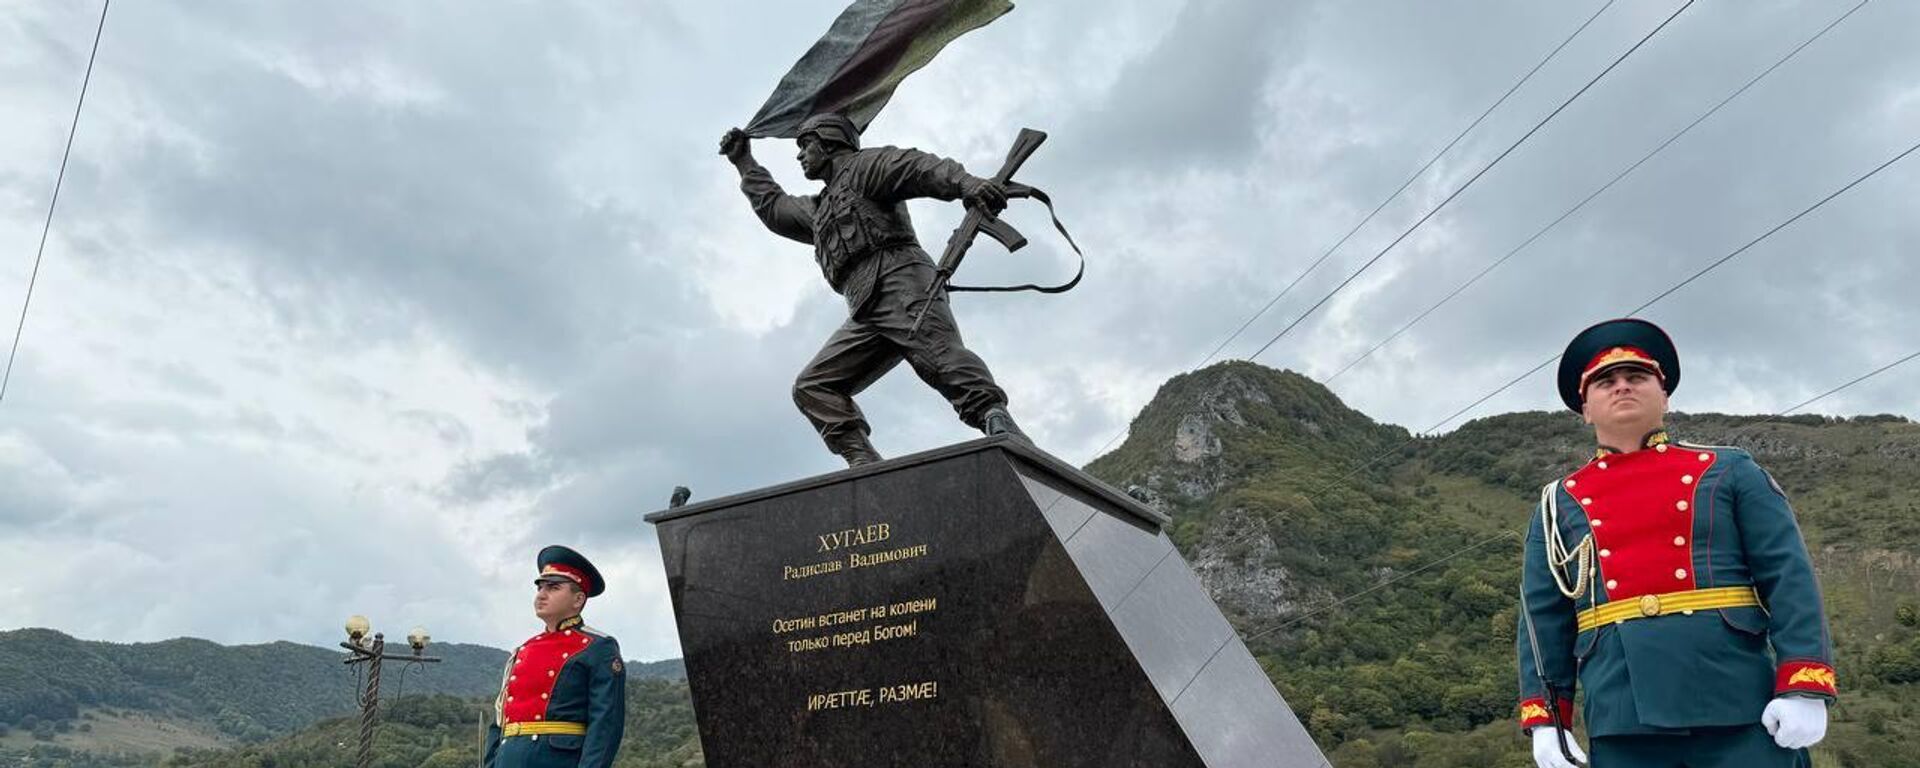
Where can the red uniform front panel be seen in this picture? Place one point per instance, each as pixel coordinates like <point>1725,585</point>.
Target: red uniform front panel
<point>534,670</point>
<point>1640,507</point>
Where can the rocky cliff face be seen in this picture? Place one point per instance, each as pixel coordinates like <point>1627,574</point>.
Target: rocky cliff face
<point>1373,573</point>
<point>1210,435</point>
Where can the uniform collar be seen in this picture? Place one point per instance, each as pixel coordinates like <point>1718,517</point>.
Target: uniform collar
<point>569,623</point>
<point>1657,437</point>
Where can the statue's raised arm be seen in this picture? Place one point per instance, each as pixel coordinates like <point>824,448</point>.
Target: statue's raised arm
<point>864,242</point>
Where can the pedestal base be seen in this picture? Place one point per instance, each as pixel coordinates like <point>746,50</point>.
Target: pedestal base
<point>978,605</point>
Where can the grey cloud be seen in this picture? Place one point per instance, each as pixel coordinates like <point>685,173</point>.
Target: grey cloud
<point>1198,94</point>
<point>710,411</point>
<point>495,476</point>
<point>378,215</point>
<point>535,188</point>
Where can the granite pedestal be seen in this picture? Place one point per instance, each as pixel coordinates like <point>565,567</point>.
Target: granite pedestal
<point>979,605</point>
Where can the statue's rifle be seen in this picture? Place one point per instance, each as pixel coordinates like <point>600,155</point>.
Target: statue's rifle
<point>979,221</point>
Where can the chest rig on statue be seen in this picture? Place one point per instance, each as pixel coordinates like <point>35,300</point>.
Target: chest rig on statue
<point>849,227</point>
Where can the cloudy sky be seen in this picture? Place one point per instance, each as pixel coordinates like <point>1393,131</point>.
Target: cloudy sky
<point>350,307</point>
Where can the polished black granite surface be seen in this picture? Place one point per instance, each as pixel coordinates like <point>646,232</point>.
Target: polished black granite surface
<point>978,605</point>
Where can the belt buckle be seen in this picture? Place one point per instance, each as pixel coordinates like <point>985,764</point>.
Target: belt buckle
<point>1649,605</point>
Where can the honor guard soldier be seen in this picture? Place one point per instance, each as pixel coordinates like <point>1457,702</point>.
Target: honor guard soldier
<point>1670,580</point>
<point>563,697</point>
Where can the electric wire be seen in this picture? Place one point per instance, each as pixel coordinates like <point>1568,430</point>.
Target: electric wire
<point>1469,183</point>
<point>72,128</point>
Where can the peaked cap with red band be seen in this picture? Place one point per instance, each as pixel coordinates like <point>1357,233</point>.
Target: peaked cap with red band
<point>1610,344</point>
<point>558,562</point>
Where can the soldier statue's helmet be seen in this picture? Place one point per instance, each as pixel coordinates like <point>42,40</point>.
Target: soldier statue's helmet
<point>832,127</point>
<point>1611,344</point>
<point>558,563</point>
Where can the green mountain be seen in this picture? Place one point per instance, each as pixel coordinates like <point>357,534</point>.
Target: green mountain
<point>246,692</point>
<point>1372,572</point>
<point>445,732</point>
<point>58,692</point>
<point>1380,594</point>
<point>415,731</point>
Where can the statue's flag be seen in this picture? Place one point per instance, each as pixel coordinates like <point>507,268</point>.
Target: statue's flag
<point>870,48</point>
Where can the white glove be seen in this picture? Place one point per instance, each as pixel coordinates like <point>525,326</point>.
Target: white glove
<point>1795,722</point>
<point>1546,748</point>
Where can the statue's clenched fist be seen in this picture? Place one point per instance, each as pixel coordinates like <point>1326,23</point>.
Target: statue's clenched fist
<point>735,145</point>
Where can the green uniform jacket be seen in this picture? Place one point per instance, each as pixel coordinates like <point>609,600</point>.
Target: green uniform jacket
<point>570,675</point>
<point>1672,518</point>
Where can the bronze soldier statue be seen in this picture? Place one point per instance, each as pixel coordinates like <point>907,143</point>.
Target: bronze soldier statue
<point>864,243</point>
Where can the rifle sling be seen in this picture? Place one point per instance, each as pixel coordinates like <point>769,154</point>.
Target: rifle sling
<point>1037,194</point>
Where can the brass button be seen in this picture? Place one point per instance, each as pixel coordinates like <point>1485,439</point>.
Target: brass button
<point>1603,465</point>
<point>1597,523</point>
<point>1611,584</point>
<point>1682,506</point>
<point>1606,553</point>
<point>1586,502</point>
<point>1680,573</point>
<point>1569,483</point>
<point>1686,479</point>
<point>1649,605</point>
<point>1661,447</point>
<point>1704,457</point>
<point>1679,541</point>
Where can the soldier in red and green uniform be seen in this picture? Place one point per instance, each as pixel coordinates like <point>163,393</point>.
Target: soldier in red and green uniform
<point>1671,581</point>
<point>563,696</point>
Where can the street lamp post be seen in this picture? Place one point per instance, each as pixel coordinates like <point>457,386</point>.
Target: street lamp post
<point>360,650</point>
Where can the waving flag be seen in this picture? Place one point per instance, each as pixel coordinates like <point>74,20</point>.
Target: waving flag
<point>870,48</point>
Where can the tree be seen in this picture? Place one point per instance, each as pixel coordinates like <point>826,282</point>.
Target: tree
<point>450,757</point>
<point>1897,663</point>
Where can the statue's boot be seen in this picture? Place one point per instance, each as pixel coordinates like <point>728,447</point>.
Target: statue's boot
<point>854,447</point>
<point>999,422</point>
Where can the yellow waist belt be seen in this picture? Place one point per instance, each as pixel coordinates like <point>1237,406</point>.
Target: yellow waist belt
<point>1649,606</point>
<point>538,727</point>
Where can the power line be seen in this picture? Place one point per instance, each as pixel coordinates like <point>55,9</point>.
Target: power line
<point>1596,193</point>
<point>1782,225</point>
<point>73,128</point>
<point>1507,533</point>
<point>1669,291</point>
<point>1476,177</point>
<point>1383,203</point>
<point>1409,182</point>
<point>1697,275</point>
<point>1835,390</point>
<point>1550,360</point>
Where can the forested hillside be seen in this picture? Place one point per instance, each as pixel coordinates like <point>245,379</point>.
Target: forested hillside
<point>1373,573</point>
